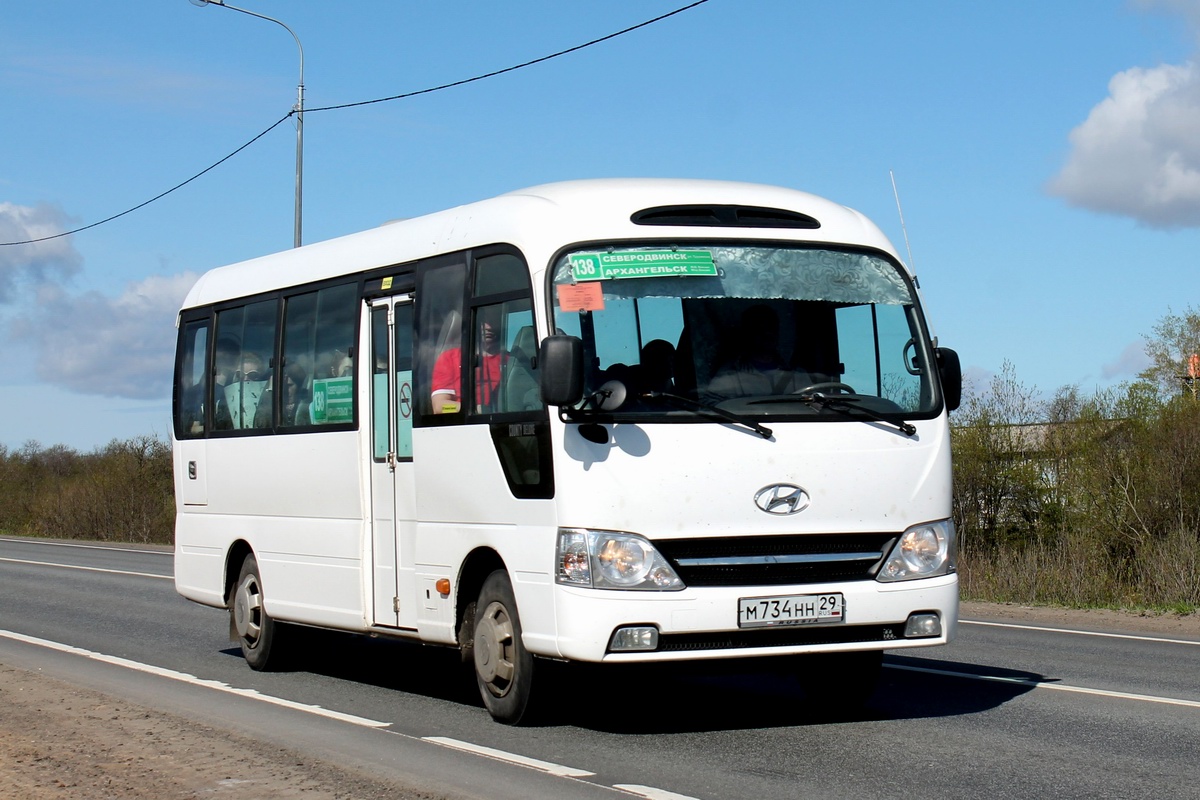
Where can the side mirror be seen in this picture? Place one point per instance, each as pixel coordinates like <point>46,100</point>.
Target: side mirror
<point>560,370</point>
<point>950,371</point>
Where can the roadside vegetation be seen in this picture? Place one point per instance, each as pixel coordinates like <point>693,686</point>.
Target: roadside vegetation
<point>1082,500</point>
<point>1085,500</point>
<point>121,492</point>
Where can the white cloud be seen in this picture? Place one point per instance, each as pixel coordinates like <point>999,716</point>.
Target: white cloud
<point>1137,154</point>
<point>33,263</point>
<point>117,347</point>
<point>1131,361</point>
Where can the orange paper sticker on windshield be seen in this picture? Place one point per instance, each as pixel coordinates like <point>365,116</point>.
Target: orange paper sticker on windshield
<point>580,297</point>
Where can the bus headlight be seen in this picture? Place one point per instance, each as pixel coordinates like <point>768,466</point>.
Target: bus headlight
<point>611,560</point>
<point>924,551</point>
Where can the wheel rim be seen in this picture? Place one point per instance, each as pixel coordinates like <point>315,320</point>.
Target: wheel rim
<point>494,649</point>
<point>247,610</point>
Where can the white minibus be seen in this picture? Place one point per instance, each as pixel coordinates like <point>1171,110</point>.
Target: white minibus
<point>604,421</point>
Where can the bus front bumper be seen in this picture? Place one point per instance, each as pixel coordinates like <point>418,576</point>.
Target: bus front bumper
<point>703,623</point>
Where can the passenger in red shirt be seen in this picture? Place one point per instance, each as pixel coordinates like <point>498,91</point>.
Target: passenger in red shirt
<point>447,372</point>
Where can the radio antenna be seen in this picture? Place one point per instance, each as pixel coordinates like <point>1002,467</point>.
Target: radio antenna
<point>911,265</point>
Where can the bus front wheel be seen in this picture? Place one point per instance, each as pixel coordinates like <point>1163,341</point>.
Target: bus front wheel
<point>503,667</point>
<point>249,621</point>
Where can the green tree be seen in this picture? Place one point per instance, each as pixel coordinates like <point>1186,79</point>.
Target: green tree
<point>1174,351</point>
<point>997,488</point>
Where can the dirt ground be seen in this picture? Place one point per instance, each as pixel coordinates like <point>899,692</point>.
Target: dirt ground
<point>1144,623</point>
<point>59,741</point>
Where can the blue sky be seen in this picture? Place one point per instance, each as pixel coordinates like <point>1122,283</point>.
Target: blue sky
<point>1047,157</point>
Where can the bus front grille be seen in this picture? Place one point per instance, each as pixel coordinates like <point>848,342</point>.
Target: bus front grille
<point>779,637</point>
<point>777,560</point>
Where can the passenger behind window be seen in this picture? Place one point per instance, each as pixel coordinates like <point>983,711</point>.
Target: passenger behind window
<point>293,404</point>
<point>331,364</point>
<point>489,368</point>
<point>225,367</point>
<point>243,394</point>
<point>757,368</point>
<point>656,371</point>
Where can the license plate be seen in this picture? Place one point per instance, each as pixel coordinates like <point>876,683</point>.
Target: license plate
<point>797,609</point>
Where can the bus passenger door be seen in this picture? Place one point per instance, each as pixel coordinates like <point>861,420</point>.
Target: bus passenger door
<point>393,498</point>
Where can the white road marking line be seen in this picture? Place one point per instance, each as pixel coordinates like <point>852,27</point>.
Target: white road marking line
<point>512,758</point>
<point>183,677</point>
<point>1079,633</point>
<point>110,548</point>
<point>650,792</point>
<point>543,766</point>
<point>89,569</point>
<point>1061,687</point>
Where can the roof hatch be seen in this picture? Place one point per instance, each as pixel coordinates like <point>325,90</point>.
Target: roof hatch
<point>724,216</point>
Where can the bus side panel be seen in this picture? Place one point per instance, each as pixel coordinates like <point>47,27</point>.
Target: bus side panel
<point>293,499</point>
<point>464,503</point>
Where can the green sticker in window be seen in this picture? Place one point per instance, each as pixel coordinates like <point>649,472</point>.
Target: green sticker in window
<point>641,264</point>
<point>333,401</point>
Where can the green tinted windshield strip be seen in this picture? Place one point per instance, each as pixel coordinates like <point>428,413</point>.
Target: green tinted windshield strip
<point>641,264</point>
<point>801,273</point>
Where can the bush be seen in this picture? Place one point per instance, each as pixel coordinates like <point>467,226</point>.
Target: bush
<point>119,493</point>
<point>1099,506</point>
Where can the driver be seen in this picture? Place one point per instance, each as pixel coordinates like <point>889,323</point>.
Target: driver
<point>758,368</point>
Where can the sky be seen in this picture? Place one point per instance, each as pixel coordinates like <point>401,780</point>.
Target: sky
<point>1046,157</point>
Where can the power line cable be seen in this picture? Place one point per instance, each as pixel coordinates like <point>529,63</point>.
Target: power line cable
<point>404,96</point>
<point>277,123</point>
<point>514,68</point>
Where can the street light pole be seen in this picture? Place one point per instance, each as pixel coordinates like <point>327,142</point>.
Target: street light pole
<point>298,109</point>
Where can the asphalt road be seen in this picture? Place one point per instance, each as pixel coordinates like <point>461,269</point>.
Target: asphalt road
<point>1006,711</point>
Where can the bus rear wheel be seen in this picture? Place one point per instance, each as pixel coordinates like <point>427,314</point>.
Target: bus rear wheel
<point>249,622</point>
<point>503,667</point>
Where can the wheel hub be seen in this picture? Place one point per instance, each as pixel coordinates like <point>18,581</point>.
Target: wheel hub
<point>493,638</point>
<point>245,601</point>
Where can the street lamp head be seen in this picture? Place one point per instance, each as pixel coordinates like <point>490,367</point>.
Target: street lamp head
<point>203,3</point>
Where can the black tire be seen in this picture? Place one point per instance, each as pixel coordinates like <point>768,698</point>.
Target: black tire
<point>503,667</point>
<point>261,638</point>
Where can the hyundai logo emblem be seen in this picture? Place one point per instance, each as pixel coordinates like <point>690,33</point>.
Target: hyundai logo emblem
<point>782,499</point>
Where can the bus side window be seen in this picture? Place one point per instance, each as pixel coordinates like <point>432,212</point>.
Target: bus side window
<point>245,344</point>
<point>440,296</point>
<point>317,373</point>
<point>403,346</point>
<point>191,380</point>
<point>400,414</point>
<point>504,347</point>
<point>520,433</point>
<point>520,391</point>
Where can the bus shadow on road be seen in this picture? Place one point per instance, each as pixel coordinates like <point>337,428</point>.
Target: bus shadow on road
<point>429,671</point>
<point>675,697</point>
<point>744,695</point>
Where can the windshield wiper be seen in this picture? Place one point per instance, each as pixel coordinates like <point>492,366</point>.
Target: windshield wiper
<point>845,405</point>
<point>680,400</point>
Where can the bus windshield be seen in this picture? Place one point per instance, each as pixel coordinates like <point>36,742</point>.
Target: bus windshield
<point>773,331</point>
